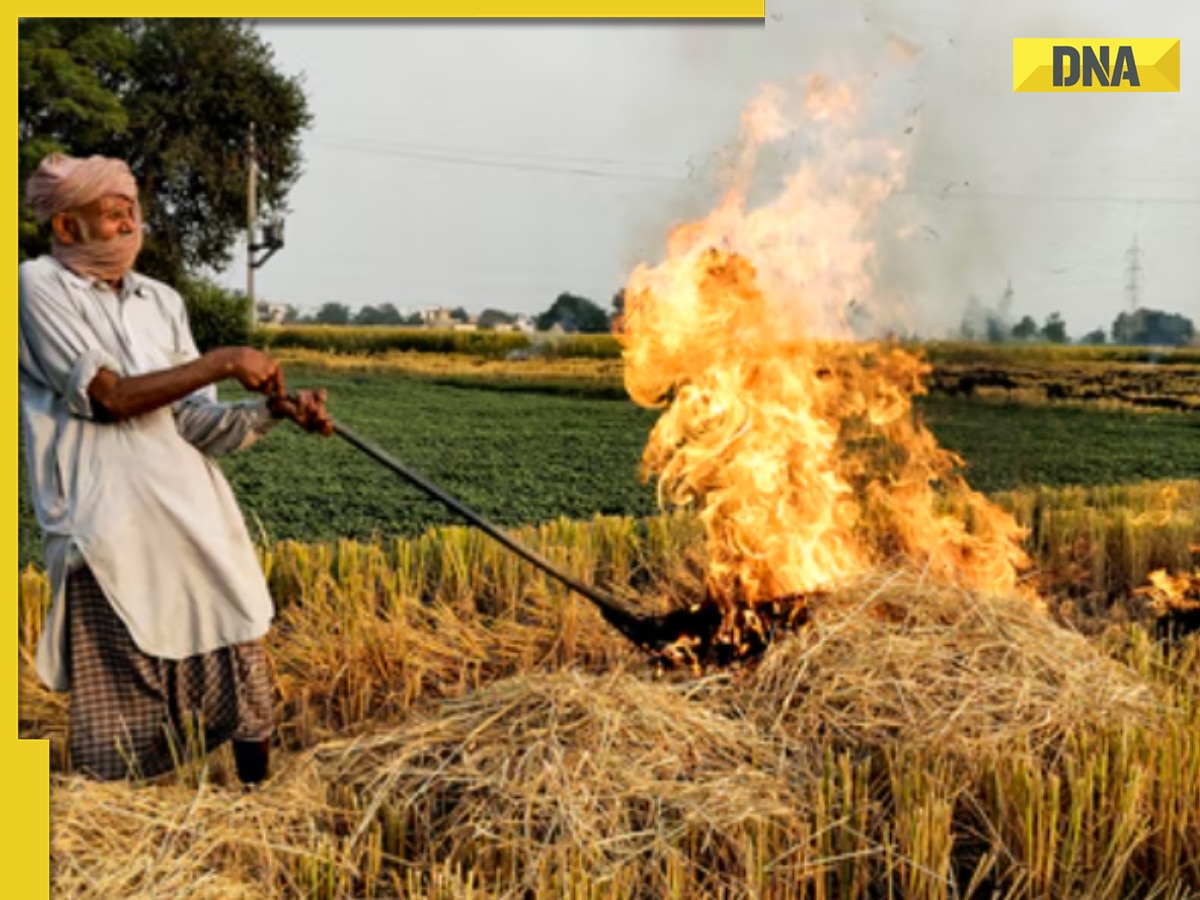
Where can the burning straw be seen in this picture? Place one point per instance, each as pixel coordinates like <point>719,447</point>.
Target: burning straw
<point>797,446</point>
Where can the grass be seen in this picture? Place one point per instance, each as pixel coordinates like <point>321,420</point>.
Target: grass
<point>524,455</point>
<point>1009,446</point>
<point>514,456</point>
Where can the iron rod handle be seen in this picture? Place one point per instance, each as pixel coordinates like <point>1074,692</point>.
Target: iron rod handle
<point>616,615</point>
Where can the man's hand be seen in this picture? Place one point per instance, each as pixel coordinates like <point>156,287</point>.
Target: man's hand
<point>305,408</point>
<point>257,371</point>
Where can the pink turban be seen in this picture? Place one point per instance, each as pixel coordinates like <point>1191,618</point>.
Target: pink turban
<point>63,183</point>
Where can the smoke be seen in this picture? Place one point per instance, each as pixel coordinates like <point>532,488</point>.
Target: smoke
<point>936,80</point>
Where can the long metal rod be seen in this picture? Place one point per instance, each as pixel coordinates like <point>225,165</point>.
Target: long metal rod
<point>625,621</point>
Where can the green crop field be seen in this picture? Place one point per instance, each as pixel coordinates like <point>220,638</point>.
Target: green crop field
<point>521,456</point>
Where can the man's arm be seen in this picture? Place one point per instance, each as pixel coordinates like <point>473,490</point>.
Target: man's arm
<point>116,398</point>
<point>216,428</point>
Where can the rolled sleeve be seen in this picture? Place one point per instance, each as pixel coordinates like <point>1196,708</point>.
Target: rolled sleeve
<point>219,428</point>
<point>81,375</point>
<point>56,345</point>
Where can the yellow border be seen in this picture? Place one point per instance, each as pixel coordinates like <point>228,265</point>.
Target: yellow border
<point>489,9</point>
<point>25,764</point>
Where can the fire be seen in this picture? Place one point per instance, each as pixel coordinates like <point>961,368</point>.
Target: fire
<point>796,444</point>
<point>1172,594</point>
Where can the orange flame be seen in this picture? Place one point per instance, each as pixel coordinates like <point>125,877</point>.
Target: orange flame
<point>1167,594</point>
<point>797,445</point>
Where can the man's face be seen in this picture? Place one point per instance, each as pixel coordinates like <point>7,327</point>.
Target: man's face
<point>102,220</point>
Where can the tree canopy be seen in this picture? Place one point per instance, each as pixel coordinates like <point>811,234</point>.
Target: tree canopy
<point>175,98</point>
<point>1026,329</point>
<point>490,318</point>
<point>1153,327</point>
<point>574,313</point>
<point>383,314</point>
<point>1055,329</point>
<point>333,314</point>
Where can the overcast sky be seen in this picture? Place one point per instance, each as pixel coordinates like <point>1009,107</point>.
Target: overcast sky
<point>496,164</point>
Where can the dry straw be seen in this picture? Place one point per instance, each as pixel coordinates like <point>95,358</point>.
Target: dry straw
<point>916,740</point>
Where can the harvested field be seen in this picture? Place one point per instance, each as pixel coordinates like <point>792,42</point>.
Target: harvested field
<point>454,726</point>
<point>1137,377</point>
<point>1139,385</point>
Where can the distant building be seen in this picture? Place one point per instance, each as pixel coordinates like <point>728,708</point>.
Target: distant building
<point>271,313</point>
<point>437,318</point>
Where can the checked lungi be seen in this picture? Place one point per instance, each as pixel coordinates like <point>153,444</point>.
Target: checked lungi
<point>133,714</point>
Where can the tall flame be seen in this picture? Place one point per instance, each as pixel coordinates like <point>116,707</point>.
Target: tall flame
<point>797,445</point>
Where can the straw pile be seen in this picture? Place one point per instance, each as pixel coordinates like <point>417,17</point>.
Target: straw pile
<point>894,661</point>
<point>174,840</point>
<point>873,747</point>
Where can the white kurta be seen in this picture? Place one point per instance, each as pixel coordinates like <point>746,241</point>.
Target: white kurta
<point>140,502</point>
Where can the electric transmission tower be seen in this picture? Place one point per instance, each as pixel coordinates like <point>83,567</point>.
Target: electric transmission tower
<point>1132,271</point>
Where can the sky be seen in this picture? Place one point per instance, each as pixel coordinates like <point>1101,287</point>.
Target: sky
<point>497,164</point>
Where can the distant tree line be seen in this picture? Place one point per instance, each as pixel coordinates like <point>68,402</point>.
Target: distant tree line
<point>1152,326</point>
<point>1144,327</point>
<point>572,313</point>
<point>576,314</point>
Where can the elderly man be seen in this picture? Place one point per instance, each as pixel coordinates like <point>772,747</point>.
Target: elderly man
<point>159,603</point>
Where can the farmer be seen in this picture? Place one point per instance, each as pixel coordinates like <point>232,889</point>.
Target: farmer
<point>158,601</point>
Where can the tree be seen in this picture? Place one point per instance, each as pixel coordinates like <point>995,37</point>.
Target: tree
<point>1153,327</point>
<point>618,302</point>
<point>175,98</point>
<point>1094,337</point>
<point>384,314</point>
<point>333,314</point>
<point>574,313</point>
<point>1055,329</point>
<point>1025,330</point>
<point>616,318</point>
<point>217,317</point>
<point>490,318</point>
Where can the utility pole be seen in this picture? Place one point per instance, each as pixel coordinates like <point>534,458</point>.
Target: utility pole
<point>251,219</point>
<point>1134,267</point>
<point>272,241</point>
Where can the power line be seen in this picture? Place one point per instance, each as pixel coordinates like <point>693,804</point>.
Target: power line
<point>409,146</point>
<point>457,158</point>
<point>1048,198</point>
<point>498,160</point>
